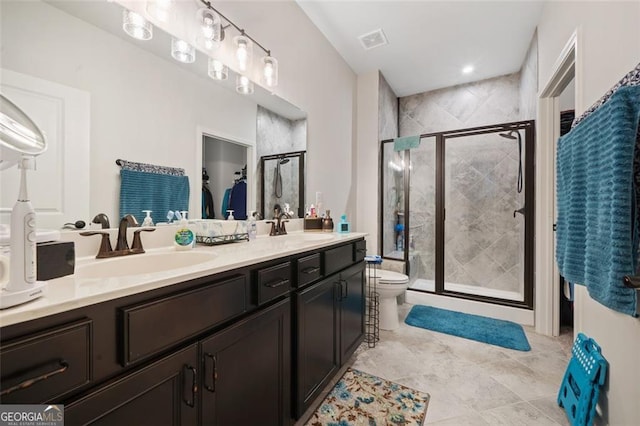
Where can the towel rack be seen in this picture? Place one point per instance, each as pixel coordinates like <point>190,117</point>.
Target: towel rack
<point>633,282</point>
<point>149,168</point>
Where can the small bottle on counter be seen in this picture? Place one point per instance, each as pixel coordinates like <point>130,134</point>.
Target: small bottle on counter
<point>185,238</point>
<point>327,222</point>
<point>344,227</point>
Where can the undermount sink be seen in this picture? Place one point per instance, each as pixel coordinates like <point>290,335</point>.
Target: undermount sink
<point>136,264</point>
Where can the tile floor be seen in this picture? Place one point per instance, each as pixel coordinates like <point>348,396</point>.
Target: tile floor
<point>473,383</point>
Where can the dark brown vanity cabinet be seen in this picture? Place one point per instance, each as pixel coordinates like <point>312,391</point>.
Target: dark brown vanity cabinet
<point>246,371</point>
<point>162,393</point>
<point>329,326</point>
<point>241,347</point>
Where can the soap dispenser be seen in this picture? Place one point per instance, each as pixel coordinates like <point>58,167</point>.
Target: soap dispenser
<point>185,238</point>
<point>327,222</point>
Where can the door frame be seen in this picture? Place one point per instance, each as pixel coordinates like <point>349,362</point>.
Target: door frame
<point>568,66</point>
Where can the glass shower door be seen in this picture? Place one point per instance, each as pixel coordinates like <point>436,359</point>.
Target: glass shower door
<point>393,202</point>
<point>483,230</point>
<point>422,215</point>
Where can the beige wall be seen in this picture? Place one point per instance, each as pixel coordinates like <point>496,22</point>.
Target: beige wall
<point>367,158</point>
<point>609,41</point>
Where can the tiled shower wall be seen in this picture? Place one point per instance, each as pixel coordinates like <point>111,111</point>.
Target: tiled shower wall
<point>277,135</point>
<point>393,190</point>
<point>483,240</point>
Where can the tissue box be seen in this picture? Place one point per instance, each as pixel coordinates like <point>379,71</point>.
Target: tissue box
<point>55,259</point>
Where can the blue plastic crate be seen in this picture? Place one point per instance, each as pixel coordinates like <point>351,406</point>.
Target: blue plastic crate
<point>585,374</point>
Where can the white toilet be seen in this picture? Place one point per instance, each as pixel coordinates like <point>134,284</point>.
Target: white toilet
<point>389,285</point>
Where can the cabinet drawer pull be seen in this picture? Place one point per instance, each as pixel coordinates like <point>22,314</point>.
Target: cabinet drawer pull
<point>311,270</point>
<point>345,294</point>
<point>361,250</point>
<point>277,283</point>
<point>214,372</point>
<point>194,386</point>
<point>61,367</point>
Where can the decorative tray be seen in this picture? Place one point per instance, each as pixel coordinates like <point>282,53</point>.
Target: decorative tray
<point>221,239</point>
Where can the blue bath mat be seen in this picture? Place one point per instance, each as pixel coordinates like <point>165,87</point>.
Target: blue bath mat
<point>474,327</point>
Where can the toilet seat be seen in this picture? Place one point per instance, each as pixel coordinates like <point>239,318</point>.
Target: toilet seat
<point>390,277</point>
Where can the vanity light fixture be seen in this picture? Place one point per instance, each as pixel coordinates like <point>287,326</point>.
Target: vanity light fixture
<point>210,33</point>
<point>244,86</point>
<point>243,44</point>
<point>136,26</point>
<point>162,10</point>
<point>217,70</point>
<point>244,52</point>
<point>270,71</point>
<point>182,51</point>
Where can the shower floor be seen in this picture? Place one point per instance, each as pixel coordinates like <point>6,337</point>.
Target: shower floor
<point>430,286</point>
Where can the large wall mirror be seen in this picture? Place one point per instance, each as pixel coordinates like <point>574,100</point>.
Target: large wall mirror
<point>102,95</point>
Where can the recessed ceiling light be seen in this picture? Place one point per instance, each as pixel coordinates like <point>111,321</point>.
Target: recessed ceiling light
<point>468,69</point>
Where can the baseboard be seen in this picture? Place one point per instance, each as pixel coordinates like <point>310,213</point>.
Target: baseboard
<point>491,310</point>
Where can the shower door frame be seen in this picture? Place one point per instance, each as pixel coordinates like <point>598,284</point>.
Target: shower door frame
<point>440,213</point>
<point>293,154</point>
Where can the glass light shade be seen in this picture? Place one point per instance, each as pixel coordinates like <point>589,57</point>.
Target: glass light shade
<point>210,32</point>
<point>244,52</point>
<point>270,71</point>
<point>182,51</point>
<point>218,70</point>
<point>162,10</point>
<point>136,26</point>
<point>244,86</point>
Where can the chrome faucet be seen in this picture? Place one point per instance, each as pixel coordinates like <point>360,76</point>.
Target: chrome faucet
<point>122,247</point>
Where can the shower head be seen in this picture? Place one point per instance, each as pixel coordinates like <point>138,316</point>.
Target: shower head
<point>283,160</point>
<point>510,135</point>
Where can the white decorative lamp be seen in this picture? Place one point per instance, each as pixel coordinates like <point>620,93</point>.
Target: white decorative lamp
<point>20,142</point>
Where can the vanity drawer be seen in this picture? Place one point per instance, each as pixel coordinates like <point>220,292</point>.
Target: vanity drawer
<point>273,282</point>
<point>176,318</point>
<point>309,269</point>
<point>44,366</point>
<point>337,259</point>
<point>360,248</point>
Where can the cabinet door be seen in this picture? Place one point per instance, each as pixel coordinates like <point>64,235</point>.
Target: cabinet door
<point>352,305</point>
<point>163,393</point>
<point>247,371</point>
<point>317,343</point>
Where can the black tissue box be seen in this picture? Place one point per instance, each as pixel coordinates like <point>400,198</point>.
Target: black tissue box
<point>55,259</point>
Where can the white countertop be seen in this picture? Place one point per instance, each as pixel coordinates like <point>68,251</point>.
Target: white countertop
<point>73,291</point>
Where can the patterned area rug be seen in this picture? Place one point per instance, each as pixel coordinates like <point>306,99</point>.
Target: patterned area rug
<point>362,399</point>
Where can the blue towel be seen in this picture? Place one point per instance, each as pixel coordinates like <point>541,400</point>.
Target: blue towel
<point>152,191</point>
<point>225,203</point>
<point>406,142</point>
<point>596,242</point>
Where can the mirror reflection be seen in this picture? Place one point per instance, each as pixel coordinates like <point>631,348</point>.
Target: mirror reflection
<point>100,95</point>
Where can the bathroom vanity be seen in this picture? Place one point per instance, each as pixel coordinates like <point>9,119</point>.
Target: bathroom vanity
<point>251,336</point>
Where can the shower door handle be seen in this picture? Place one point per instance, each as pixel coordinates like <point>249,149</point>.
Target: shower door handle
<point>521,211</point>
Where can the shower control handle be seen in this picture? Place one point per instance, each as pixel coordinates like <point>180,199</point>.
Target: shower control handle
<point>521,211</point>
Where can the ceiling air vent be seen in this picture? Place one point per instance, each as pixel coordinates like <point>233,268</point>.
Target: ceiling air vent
<point>373,39</point>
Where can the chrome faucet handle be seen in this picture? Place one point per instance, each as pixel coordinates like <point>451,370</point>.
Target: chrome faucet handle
<point>273,231</point>
<point>136,246</point>
<point>105,249</point>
